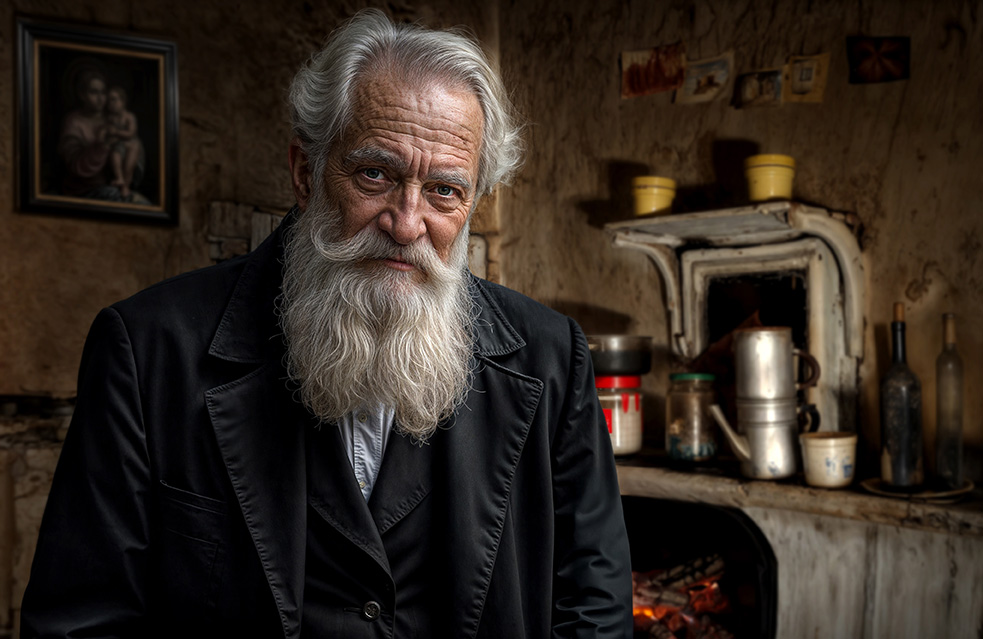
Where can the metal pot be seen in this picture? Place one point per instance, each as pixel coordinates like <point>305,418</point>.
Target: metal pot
<point>620,354</point>
<point>763,360</point>
<point>768,430</point>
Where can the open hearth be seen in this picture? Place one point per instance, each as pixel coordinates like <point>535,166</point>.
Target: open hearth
<point>712,547</point>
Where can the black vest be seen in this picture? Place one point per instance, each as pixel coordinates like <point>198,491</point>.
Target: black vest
<point>370,570</point>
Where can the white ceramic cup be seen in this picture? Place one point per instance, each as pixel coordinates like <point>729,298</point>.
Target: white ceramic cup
<point>828,458</point>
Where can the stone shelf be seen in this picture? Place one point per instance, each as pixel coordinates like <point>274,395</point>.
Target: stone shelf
<point>641,480</point>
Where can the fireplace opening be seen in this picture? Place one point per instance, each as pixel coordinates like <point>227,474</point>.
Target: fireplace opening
<point>699,571</point>
<point>780,255</point>
<point>770,298</point>
<point>777,298</point>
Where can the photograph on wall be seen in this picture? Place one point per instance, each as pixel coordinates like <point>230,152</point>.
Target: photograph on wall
<point>759,89</point>
<point>875,60</point>
<point>98,123</point>
<point>706,80</point>
<point>805,78</point>
<point>652,70</point>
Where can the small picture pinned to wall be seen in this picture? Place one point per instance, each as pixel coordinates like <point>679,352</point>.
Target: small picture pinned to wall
<point>707,80</point>
<point>875,60</point>
<point>759,88</point>
<point>652,70</point>
<point>805,78</point>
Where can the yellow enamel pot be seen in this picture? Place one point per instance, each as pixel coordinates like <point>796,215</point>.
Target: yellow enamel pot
<point>769,176</point>
<point>653,195</point>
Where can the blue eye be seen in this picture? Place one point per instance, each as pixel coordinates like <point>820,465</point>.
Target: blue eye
<point>372,174</point>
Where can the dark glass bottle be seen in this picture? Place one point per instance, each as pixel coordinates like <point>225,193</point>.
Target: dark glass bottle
<point>949,409</point>
<point>901,416</point>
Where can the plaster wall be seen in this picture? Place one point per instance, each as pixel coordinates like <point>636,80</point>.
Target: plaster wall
<point>235,62</point>
<point>903,156</point>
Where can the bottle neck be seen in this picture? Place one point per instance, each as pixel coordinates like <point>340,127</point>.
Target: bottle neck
<point>897,342</point>
<point>949,331</point>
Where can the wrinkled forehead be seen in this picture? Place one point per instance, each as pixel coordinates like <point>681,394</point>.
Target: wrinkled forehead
<point>411,100</point>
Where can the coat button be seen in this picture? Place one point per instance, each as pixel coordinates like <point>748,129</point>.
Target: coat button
<point>371,611</point>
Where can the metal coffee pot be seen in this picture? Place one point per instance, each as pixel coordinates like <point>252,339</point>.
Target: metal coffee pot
<point>765,366</point>
<point>768,412</point>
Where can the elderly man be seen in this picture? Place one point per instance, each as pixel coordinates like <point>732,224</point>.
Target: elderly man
<point>344,434</point>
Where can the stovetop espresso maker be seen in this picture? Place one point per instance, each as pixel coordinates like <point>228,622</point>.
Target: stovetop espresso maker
<point>768,411</point>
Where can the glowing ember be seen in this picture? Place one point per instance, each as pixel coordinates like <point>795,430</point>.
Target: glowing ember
<point>680,600</point>
<point>645,611</point>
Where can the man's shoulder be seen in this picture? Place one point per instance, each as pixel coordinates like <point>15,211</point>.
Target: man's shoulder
<point>192,295</point>
<point>532,323</point>
<point>519,308</point>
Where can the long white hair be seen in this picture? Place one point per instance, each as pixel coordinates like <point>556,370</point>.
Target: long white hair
<point>322,91</point>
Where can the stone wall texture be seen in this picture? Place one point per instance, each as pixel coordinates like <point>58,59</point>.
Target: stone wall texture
<point>903,156</point>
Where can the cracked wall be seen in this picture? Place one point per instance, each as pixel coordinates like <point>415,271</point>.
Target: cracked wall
<point>235,61</point>
<point>902,156</point>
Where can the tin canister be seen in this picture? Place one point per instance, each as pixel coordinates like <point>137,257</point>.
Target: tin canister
<point>691,434</point>
<point>621,401</point>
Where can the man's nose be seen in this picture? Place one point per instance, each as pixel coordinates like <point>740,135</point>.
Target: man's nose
<point>403,218</point>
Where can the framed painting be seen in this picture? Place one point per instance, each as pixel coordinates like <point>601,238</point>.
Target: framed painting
<point>98,123</point>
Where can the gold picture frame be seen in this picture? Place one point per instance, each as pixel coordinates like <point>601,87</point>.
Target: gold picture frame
<point>98,123</point>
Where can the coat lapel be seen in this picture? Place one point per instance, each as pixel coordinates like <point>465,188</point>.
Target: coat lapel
<point>475,463</point>
<point>260,429</point>
<point>261,437</point>
<point>404,481</point>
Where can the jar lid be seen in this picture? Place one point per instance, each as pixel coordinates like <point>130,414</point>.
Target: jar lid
<point>706,377</point>
<point>618,381</point>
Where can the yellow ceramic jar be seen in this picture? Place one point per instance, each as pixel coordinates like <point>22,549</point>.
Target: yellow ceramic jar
<point>769,176</point>
<point>653,195</point>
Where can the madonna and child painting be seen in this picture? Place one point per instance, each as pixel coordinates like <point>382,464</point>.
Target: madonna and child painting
<point>99,123</point>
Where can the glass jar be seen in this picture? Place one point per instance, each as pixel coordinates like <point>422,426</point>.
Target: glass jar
<point>621,401</point>
<point>691,434</point>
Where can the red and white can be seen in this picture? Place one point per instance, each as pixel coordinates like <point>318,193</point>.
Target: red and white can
<point>621,401</point>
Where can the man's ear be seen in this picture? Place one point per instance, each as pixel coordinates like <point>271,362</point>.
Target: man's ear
<point>300,173</point>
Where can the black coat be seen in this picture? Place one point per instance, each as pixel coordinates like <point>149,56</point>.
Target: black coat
<point>179,506</point>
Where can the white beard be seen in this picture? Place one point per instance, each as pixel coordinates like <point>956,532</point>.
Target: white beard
<point>359,333</point>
